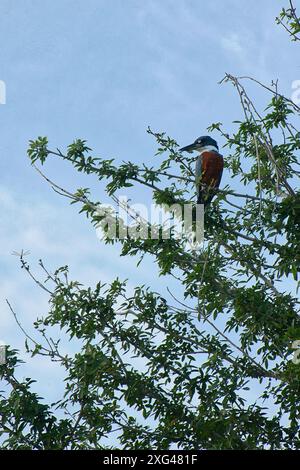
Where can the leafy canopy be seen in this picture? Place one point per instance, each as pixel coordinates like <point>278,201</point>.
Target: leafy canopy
<point>155,372</point>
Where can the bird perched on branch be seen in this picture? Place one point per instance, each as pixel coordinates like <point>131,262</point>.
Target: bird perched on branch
<point>209,167</point>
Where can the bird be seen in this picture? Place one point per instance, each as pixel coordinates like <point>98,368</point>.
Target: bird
<point>209,167</point>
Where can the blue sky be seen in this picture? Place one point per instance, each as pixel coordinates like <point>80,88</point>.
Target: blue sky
<point>104,71</point>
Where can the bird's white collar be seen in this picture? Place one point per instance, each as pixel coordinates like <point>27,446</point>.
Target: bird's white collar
<point>208,148</point>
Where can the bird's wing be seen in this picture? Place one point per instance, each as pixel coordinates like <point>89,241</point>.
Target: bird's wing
<point>198,172</point>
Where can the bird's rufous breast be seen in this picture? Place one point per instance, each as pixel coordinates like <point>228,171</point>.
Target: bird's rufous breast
<point>212,169</point>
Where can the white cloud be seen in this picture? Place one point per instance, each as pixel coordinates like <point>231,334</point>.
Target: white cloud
<point>232,44</point>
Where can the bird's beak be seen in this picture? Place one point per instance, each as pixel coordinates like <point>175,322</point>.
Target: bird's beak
<point>189,148</point>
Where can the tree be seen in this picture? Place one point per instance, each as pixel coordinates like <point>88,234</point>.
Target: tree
<point>234,326</point>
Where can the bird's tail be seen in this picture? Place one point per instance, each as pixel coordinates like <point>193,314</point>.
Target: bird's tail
<point>205,197</point>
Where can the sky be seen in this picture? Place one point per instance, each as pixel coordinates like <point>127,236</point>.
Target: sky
<point>104,71</point>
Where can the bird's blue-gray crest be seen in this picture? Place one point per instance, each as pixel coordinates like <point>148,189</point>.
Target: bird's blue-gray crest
<point>200,143</point>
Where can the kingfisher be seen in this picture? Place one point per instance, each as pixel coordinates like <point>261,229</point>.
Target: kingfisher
<point>209,167</point>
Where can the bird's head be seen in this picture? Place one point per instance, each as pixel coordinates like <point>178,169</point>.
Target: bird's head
<point>200,144</point>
